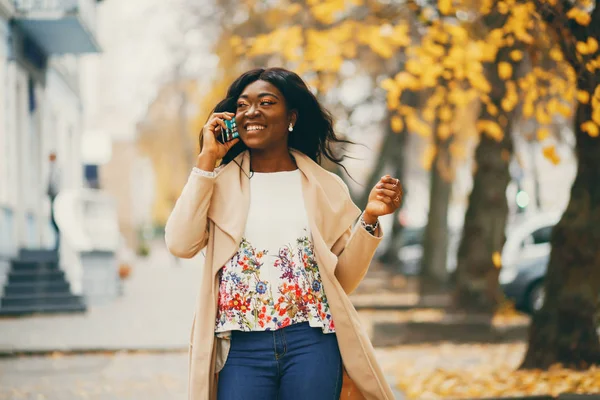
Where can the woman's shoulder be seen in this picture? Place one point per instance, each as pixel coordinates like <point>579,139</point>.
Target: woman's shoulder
<point>333,184</point>
<point>338,181</point>
<point>327,179</point>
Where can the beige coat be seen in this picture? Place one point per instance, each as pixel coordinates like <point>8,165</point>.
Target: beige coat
<point>211,213</point>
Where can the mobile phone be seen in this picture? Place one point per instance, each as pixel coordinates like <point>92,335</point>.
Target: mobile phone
<point>229,133</point>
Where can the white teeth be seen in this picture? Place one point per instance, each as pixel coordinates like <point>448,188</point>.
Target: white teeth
<point>255,128</point>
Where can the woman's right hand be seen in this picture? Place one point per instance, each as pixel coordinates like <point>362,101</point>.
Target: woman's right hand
<point>211,147</point>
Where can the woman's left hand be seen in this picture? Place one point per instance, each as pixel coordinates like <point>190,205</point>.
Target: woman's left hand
<point>384,198</point>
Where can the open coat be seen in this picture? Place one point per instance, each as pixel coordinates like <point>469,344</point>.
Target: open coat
<point>211,213</point>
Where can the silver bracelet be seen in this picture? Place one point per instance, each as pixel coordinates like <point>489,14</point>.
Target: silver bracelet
<point>201,172</point>
<point>371,228</point>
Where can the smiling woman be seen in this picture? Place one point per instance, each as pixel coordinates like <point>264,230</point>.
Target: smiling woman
<point>273,319</point>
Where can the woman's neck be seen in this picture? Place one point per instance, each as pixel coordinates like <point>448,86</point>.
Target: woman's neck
<point>271,161</point>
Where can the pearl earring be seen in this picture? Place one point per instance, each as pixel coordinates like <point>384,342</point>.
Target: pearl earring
<point>291,127</point>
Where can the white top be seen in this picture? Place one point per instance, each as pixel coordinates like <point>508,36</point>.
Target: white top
<point>273,280</point>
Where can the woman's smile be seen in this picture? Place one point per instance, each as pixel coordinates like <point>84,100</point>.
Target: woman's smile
<point>254,127</point>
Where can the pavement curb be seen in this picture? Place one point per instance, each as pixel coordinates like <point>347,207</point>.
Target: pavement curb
<point>386,334</point>
<point>82,351</point>
<point>537,397</point>
<point>397,307</point>
<point>564,396</point>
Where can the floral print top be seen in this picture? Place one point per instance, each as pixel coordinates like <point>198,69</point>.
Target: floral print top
<point>273,280</point>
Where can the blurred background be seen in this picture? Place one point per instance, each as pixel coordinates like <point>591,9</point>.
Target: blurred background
<point>487,281</point>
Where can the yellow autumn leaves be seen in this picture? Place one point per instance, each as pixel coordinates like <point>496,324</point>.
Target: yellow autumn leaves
<point>491,129</point>
<point>480,382</point>
<point>326,11</point>
<point>449,57</point>
<point>504,70</point>
<point>580,15</point>
<point>446,62</point>
<point>447,66</point>
<point>588,47</point>
<point>324,50</point>
<point>590,127</point>
<point>497,260</point>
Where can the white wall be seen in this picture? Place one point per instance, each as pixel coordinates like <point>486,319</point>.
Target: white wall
<point>62,132</point>
<point>3,109</point>
<point>63,118</point>
<point>26,139</point>
<point>65,111</point>
<point>8,155</point>
<point>5,220</point>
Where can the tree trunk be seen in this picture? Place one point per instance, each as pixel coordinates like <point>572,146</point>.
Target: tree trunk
<point>392,150</point>
<point>434,274</point>
<point>395,156</point>
<point>564,330</point>
<point>389,150</point>
<point>483,235</point>
<point>390,255</point>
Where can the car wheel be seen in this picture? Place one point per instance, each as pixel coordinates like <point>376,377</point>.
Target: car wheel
<point>537,295</point>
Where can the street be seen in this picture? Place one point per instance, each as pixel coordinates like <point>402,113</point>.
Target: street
<point>118,376</point>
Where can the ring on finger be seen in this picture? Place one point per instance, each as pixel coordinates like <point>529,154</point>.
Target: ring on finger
<point>397,199</point>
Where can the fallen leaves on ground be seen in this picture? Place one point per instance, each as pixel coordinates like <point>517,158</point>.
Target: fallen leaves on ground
<point>450,371</point>
<point>507,316</point>
<point>500,319</point>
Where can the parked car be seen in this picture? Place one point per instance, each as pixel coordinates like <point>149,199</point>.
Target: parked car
<point>411,250</point>
<point>525,258</point>
<point>523,283</point>
<point>527,239</point>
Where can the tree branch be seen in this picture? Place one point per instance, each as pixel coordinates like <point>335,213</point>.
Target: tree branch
<point>568,32</point>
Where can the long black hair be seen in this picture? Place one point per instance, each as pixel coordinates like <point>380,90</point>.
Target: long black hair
<point>313,132</point>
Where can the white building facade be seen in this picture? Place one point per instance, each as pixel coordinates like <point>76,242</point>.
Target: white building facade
<point>40,112</point>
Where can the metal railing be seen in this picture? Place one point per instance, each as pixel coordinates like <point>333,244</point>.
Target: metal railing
<point>86,9</point>
<point>27,6</point>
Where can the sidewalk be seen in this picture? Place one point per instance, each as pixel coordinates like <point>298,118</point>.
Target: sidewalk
<point>384,289</point>
<point>155,313</point>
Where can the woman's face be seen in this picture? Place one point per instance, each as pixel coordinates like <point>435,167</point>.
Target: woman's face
<point>262,116</point>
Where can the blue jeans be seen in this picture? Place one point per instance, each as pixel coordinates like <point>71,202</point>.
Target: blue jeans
<point>293,363</point>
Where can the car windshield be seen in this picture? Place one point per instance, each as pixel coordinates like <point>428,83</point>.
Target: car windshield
<point>539,236</point>
<point>542,235</point>
<point>412,236</point>
<point>531,263</point>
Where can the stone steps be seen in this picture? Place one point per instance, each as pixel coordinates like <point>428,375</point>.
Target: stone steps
<point>36,284</point>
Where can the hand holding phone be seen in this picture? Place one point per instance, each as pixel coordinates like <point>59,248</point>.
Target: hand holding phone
<point>230,132</point>
<point>219,134</point>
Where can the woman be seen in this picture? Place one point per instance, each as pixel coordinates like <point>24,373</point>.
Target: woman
<point>273,319</point>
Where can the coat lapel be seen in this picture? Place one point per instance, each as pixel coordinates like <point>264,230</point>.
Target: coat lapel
<point>326,199</point>
<point>231,198</point>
